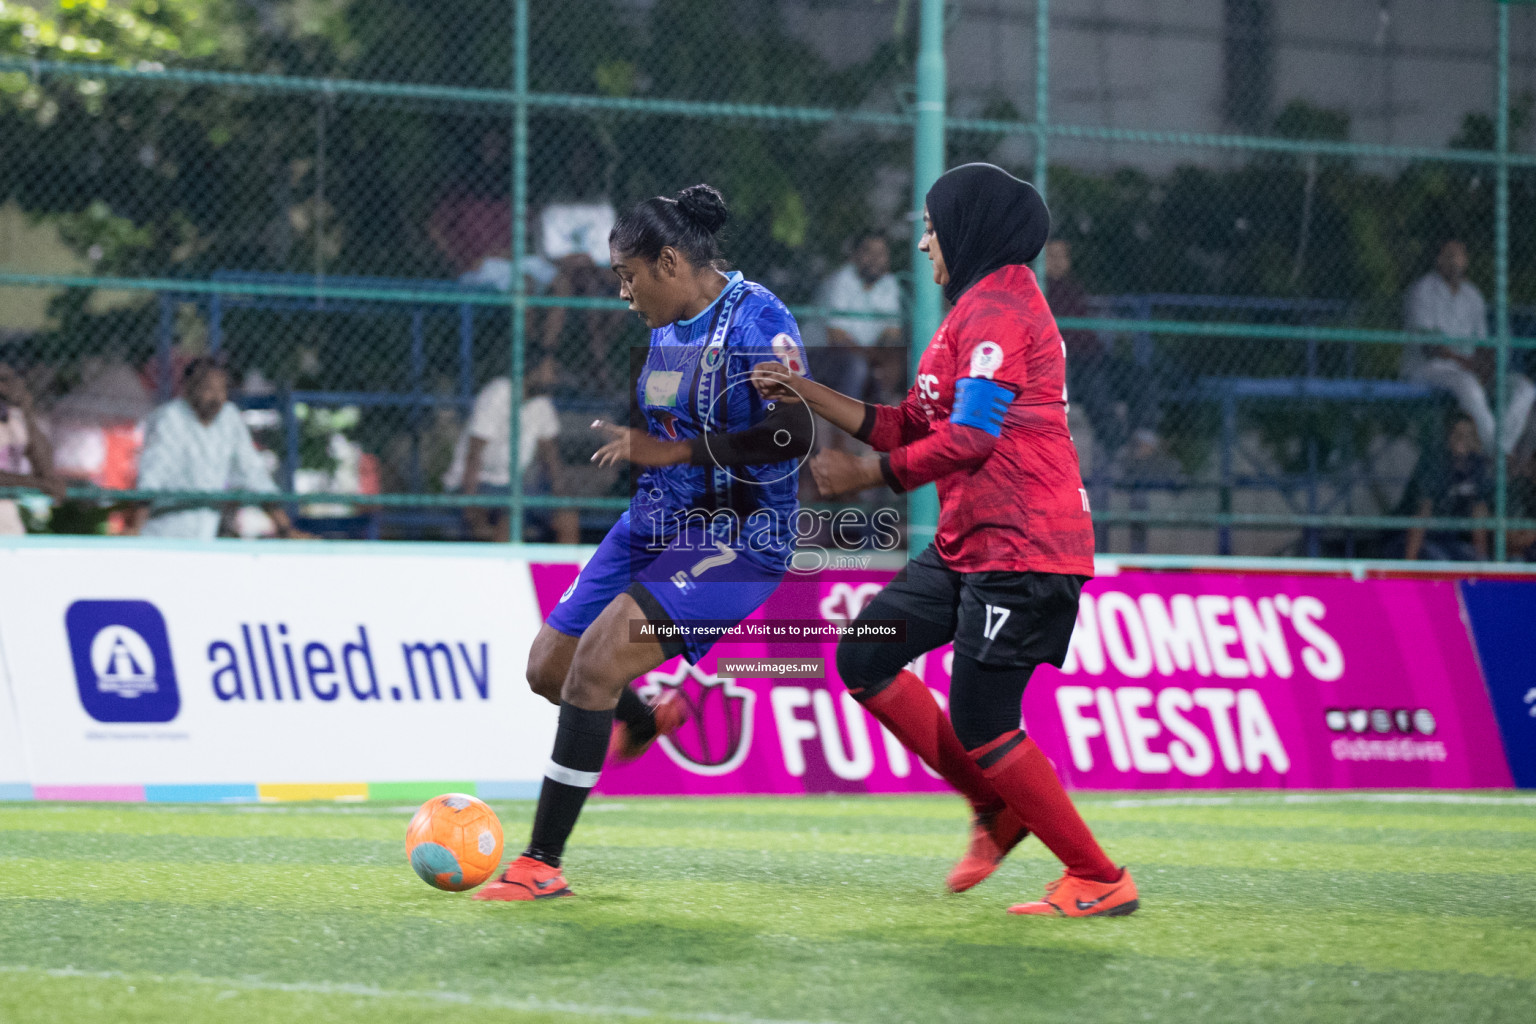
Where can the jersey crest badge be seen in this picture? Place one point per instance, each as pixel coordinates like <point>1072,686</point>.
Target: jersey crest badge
<point>787,351</point>
<point>713,356</point>
<point>986,359</point>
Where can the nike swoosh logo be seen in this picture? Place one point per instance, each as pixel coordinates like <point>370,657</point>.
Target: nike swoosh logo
<point>1091,903</point>
<point>546,883</point>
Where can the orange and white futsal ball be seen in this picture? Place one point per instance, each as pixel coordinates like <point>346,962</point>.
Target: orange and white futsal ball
<point>454,842</point>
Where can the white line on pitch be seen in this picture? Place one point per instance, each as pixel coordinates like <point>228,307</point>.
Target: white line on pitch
<point>529,1005</point>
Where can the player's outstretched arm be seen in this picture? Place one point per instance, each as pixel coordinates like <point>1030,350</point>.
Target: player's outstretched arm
<point>882,427</point>
<point>787,432</point>
<point>777,383</point>
<point>950,448</point>
<point>628,444</point>
<point>963,441</point>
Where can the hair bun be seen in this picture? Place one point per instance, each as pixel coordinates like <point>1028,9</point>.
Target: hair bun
<point>704,205</point>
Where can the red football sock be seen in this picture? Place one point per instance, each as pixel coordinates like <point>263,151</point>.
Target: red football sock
<point>1022,775</point>
<point>907,708</point>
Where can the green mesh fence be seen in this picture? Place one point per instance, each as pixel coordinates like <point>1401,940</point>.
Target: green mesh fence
<point>371,211</point>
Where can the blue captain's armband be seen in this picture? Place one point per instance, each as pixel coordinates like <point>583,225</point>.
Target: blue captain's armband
<point>981,404</point>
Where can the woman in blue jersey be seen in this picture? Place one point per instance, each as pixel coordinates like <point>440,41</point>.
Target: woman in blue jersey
<point>709,531</point>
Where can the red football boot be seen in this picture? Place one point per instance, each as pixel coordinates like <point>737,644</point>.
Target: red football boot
<point>1070,896</point>
<point>993,835</point>
<point>670,711</point>
<point>526,879</point>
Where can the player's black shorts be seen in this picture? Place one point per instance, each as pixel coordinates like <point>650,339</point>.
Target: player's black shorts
<point>997,618</point>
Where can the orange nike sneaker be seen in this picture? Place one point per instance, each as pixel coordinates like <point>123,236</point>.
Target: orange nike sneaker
<point>993,835</point>
<point>1070,896</point>
<point>526,879</point>
<point>670,711</point>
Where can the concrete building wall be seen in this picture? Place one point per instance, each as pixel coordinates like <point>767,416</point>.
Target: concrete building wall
<point>1406,72</point>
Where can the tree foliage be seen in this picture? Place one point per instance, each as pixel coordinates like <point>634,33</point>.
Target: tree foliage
<point>170,179</point>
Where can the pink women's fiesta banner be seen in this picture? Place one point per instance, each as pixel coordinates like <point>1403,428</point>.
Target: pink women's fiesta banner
<point>1174,681</point>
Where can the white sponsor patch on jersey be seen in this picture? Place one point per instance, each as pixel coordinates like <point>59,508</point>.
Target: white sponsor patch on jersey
<point>787,350</point>
<point>986,359</point>
<point>661,387</point>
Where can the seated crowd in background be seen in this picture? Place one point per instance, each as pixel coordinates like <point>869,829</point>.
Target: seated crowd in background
<point>1444,302</point>
<point>200,442</point>
<point>566,257</point>
<point>26,457</point>
<point>866,354</point>
<point>1120,398</point>
<point>482,459</point>
<point>1450,482</point>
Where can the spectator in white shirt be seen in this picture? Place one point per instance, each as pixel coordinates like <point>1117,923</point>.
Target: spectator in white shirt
<point>865,285</point>
<point>199,442</point>
<point>482,458</point>
<point>1444,302</point>
<point>867,344</point>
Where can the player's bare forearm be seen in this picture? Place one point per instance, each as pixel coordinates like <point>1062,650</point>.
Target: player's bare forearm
<point>847,414</point>
<point>774,381</point>
<point>627,444</point>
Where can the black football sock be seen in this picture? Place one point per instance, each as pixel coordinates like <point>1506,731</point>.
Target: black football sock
<point>638,716</point>
<point>581,743</point>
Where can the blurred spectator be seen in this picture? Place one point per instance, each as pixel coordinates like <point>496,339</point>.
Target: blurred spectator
<point>1444,302</point>
<point>473,220</point>
<point>865,284</point>
<point>571,261</point>
<point>1521,544</point>
<point>421,452</point>
<point>567,254</point>
<point>199,442</point>
<point>96,426</point>
<point>482,460</point>
<point>580,278</point>
<point>575,237</point>
<point>862,346</point>
<point>1452,483</point>
<point>1120,398</point>
<point>26,458</point>
<point>493,267</point>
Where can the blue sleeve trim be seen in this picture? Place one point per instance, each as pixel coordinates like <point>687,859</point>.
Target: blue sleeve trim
<point>980,403</point>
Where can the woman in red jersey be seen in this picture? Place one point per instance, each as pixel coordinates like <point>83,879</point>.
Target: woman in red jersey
<point>986,421</point>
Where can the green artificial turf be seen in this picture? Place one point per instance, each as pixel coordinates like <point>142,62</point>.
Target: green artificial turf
<point>1254,907</point>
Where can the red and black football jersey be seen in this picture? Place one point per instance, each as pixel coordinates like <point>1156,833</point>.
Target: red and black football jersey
<point>1014,502</point>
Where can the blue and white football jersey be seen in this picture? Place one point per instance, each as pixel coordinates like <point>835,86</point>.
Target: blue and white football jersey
<point>697,381</point>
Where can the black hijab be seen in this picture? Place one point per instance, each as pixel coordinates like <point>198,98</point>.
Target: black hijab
<point>985,218</point>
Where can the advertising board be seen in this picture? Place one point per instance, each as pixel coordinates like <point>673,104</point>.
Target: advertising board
<point>232,671</point>
<point>240,666</point>
<point>1173,680</point>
